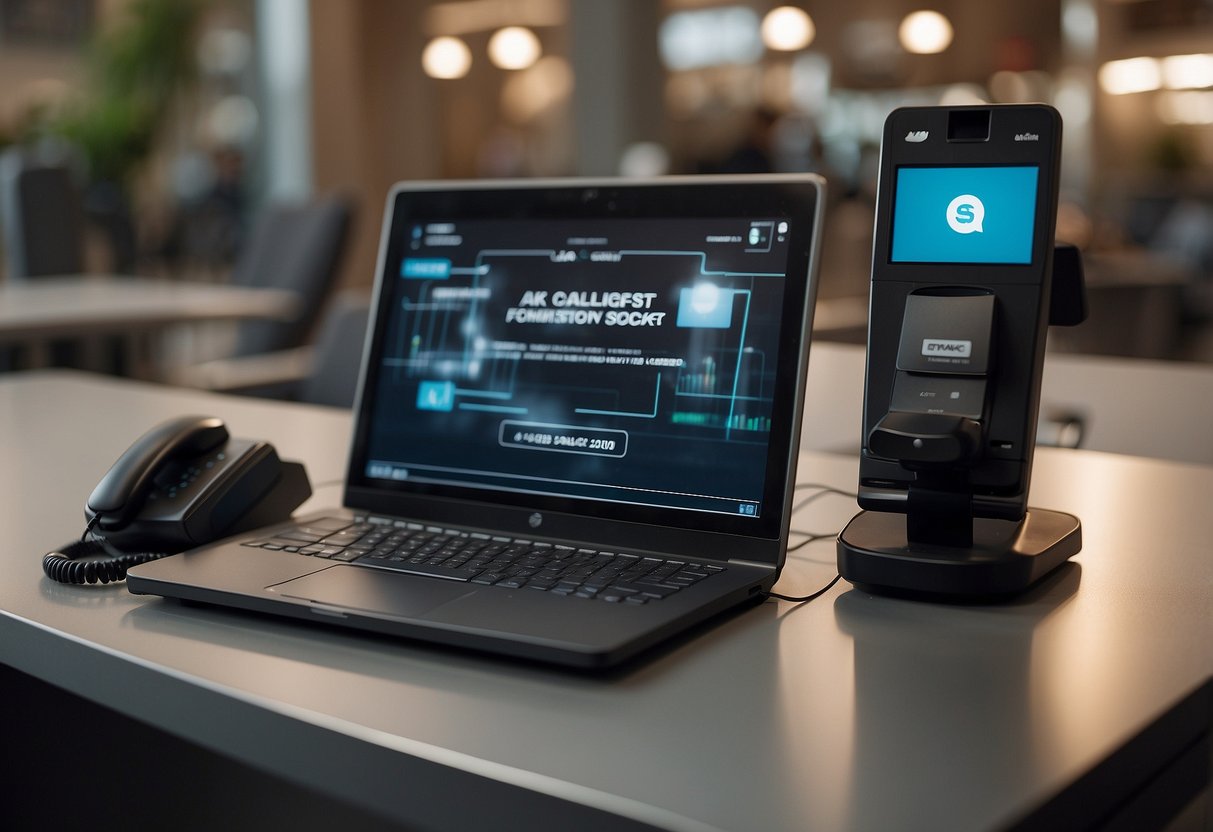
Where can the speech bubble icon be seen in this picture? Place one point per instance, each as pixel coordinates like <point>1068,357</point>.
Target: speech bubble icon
<point>966,214</point>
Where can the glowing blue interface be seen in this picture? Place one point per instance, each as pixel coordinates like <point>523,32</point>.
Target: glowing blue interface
<point>621,360</point>
<point>964,215</point>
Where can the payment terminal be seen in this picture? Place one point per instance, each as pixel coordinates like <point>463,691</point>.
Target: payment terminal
<point>962,282</point>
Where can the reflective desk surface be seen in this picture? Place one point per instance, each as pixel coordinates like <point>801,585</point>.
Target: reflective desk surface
<point>1069,705</point>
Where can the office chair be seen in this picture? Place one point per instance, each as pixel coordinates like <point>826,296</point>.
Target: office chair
<point>337,355</point>
<point>298,248</point>
<point>42,216</point>
<point>324,372</point>
<point>42,233</point>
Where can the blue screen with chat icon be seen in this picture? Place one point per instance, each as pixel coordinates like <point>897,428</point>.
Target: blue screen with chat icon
<point>964,215</point>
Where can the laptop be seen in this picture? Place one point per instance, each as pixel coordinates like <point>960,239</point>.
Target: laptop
<point>576,426</point>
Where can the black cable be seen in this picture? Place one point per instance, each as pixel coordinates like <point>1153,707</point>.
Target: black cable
<point>800,599</point>
<point>829,489</point>
<point>825,489</point>
<point>68,565</point>
<point>811,537</point>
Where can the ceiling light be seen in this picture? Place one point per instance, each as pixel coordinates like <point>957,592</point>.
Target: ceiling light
<point>447,58</point>
<point>787,29</point>
<point>925,32</point>
<point>514,47</point>
<point>1130,75</point>
<point>1181,72</point>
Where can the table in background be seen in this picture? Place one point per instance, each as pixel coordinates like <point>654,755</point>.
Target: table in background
<point>37,311</point>
<point>1084,700</point>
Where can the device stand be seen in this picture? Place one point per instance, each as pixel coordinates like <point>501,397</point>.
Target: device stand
<point>1004,557</point>
<point>937,549</point>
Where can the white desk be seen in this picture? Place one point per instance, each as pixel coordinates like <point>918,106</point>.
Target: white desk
<point>42,309</point>
<point>1089,697</point>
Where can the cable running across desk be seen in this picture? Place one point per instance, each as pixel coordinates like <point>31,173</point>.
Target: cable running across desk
<point>801,599</point>
<point>811,537</point>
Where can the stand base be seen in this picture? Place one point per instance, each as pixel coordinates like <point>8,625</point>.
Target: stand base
<point>1006,556</point>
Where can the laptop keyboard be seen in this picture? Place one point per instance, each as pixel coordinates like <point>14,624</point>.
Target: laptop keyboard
<point>453,554</point>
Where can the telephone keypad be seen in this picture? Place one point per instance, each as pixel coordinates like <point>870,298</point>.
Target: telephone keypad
<point>179,480</point>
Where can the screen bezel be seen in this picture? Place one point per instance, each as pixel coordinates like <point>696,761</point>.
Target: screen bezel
<point>795,197</point>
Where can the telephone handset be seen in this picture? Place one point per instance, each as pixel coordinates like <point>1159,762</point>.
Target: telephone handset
<point>183,483</point>
<point>129,482</point>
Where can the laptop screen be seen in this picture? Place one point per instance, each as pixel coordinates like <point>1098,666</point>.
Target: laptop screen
<point>628,354</point>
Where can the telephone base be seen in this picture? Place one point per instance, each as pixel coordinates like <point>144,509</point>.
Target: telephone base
<point>1006,557</point>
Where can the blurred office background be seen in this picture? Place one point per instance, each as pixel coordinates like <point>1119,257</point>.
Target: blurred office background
<point>204,140</point>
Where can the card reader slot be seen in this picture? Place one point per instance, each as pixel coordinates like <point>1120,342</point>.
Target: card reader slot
<point>949,334</point>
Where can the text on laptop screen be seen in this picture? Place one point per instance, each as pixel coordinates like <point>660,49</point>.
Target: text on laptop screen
<point>964,215</point>
<point>613,359</point>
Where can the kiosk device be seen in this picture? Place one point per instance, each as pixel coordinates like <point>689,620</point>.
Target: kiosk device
<point>965,281</point>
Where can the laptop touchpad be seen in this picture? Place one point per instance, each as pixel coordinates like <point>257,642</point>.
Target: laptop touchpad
<point>373,591</point>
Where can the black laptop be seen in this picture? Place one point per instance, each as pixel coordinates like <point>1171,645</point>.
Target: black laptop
<point>576,427</point>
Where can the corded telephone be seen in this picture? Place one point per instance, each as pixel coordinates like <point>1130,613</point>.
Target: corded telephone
<point>183,483</point>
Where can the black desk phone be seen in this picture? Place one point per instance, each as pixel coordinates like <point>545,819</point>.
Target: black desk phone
<point>184,483</point>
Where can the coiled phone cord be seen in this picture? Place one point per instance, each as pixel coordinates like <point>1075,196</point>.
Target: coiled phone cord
<point>68,564</point>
